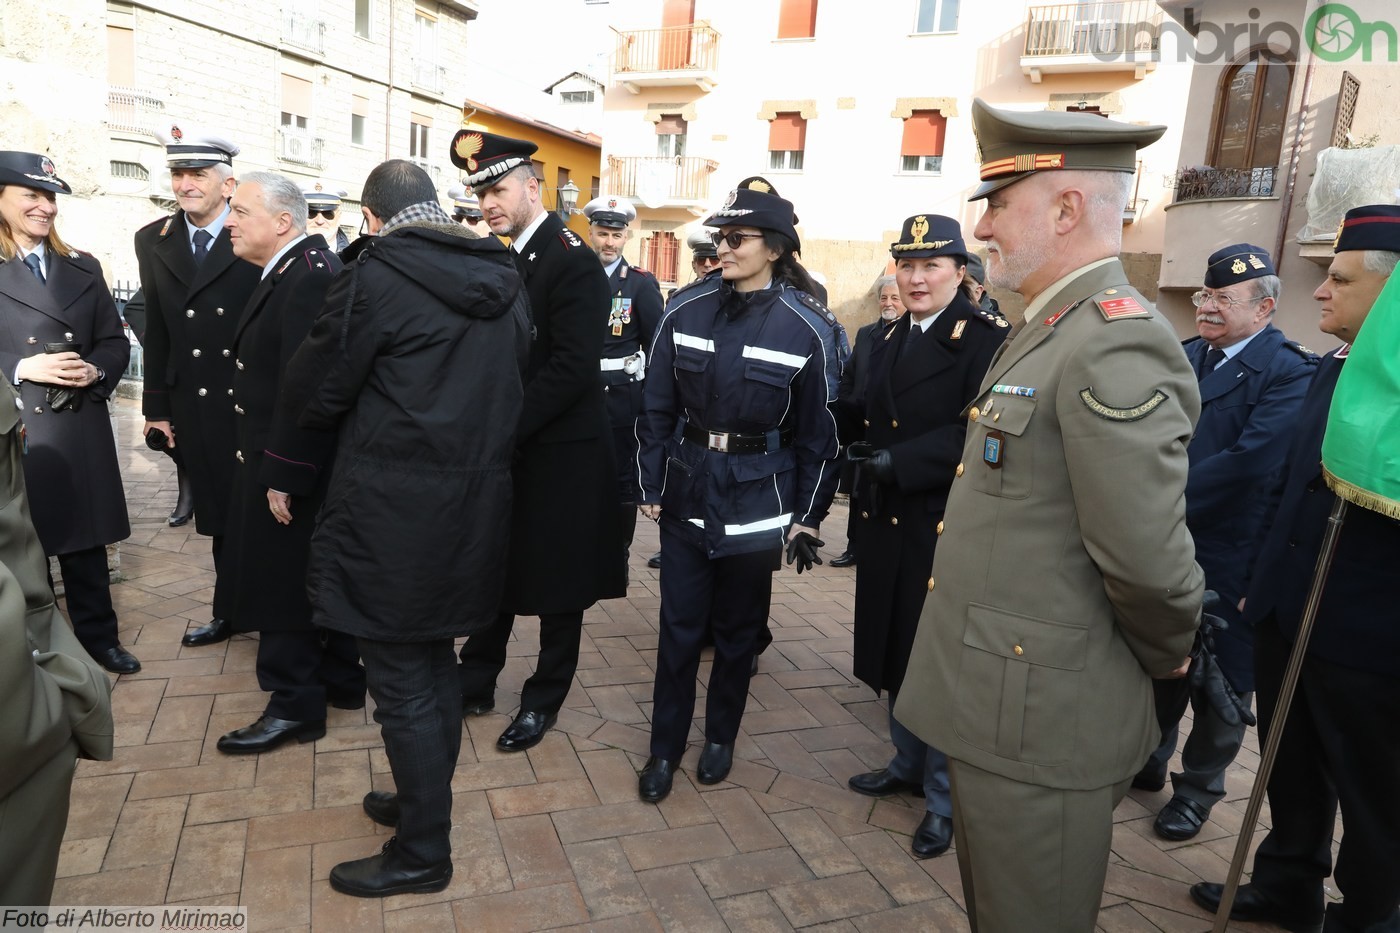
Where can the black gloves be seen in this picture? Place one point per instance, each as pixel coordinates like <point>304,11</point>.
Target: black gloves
<point>1205,674</point>
<point>802,547</point>
<point>877,463</point>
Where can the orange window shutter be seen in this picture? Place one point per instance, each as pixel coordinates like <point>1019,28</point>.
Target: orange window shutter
<point>787,132</point>
<point>797,19</point>
<point>923,133</point>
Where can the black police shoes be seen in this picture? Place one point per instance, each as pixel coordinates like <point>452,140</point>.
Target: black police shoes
<point>1150,777</point>
<point>881,784</point>
<point>1252,904</point>
<point>1180,819</point>
<point>268,733</point>
<point>654,783</point>
<point>526,731</point>
<point>654,561</point>
<point>933,837</point>
<point>382,806</point>
<point>847,559</point>
<point>715,761</point>
<point>388,873</point>
<point>118,660</point>
<point>216,631</point>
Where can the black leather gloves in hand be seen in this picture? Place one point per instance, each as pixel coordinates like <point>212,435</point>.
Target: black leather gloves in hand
<point>1205,674</point>
<point>878,464</point>
<point>802,548</point>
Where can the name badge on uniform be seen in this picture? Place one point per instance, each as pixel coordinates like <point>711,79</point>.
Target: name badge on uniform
<point>992,449</point>
<point>621,314</point>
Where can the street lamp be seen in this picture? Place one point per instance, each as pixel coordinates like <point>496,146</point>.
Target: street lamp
<point>568,200</point>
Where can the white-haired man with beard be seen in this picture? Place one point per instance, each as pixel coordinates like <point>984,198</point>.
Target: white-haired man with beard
<point>1069,580</point>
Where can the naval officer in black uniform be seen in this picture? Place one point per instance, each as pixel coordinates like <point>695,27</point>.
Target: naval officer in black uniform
<point>634,310</point>
<point>195,290</point>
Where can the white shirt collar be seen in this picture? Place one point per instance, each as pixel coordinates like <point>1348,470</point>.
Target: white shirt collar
<point>611,267</point>
<point>1034,309</point>
<point>927,322</point>
<point>518,244</point>
<point>280,253</point>
<point>215,226</point>
<point>39,250</point>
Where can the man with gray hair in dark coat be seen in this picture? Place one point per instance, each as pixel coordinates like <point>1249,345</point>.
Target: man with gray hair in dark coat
<point>415,365</point>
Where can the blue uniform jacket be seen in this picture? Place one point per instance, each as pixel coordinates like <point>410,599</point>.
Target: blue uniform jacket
<point>761,362</point>
<point>1248,407</point>
<point>1358,621</point>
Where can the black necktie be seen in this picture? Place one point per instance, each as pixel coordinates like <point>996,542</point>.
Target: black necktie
<point>1212,360</point>
<point>32,261</point>
<point>201,246</point>
<point>915,331</point>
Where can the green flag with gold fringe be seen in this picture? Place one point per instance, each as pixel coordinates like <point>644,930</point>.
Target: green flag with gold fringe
<point>1361,449</point>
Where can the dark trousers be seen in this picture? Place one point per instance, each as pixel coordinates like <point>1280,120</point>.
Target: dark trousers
<point>88,594</point>
<point>484,654</point>
<point>301,668</point>
<point>726,598</point>
<point>1340,745</point>
<point>418,705</point>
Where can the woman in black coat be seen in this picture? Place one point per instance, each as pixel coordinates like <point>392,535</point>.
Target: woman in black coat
<point>62,341</point>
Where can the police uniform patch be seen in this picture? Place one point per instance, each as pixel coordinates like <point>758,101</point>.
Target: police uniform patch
<point>569,238</point>
<point>1114,308</point>
<point>1135,413</point>
<point>818,307</point>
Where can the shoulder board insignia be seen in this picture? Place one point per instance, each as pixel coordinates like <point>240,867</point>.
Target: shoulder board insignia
<point>642,272</point>
<point>283,268</point>
<point>958,329</point>
<point>1301,350</point>
<point>1115,308</point>
<point>818,307</point>
<point>993,319</point>
<point>1135,413</point>
<point>166,227</point>
<point>569,238</point>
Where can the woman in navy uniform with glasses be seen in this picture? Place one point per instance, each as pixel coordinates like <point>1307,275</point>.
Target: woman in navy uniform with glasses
<point>737,450</point>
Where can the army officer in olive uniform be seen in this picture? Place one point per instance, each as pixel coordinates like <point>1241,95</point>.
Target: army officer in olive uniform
<point>1064,579</point>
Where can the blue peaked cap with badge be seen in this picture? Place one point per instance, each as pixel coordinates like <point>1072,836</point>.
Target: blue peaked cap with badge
<point>927,235</point>
<point>488,157</point>
<point>755,203</point>
<point>1371,226</point>
<point>1237,263</point>
<point>31,170</point>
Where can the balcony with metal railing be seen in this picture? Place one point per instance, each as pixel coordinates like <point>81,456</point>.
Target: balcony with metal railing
<point>1206,183</point>
<point>304,32</point>
<point>429,76</point>
<point>1116,35</point>
<point>132,111</point>
<point>669,57</point>
<point>299,146</point>
<point>663,181</point>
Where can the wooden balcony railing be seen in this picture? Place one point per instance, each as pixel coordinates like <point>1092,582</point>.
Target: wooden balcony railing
<point>674,48</point>
<point>1106,30</point>
<point>661,181</point>
<point>1200,184</point>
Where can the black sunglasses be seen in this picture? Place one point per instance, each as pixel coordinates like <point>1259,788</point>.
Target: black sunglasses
<point>328,213</point>
<point>734,238</point>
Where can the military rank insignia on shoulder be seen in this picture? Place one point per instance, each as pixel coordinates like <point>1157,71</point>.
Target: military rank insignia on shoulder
<point>992,319</point>
<point>1132,413</point>
<point>818,307</point>
<point>1301,350</point>
<point>1114,309</point>
<point>569,238</point>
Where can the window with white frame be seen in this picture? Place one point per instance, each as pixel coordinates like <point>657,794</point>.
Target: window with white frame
<point>921,149</point>
<point>935,16</point>
<point>787,142</point>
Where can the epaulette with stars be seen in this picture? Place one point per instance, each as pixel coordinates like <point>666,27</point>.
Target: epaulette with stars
<point>1302,351</point>
<point>988,318</point>
<point>816,306</point>
<point>569,238</point>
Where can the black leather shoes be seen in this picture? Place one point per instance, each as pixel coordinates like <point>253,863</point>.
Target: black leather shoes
<point>1180,819</point>
<point>654,561</point>
<point>382,806</point>
<point>478,707</point>
<point>118,660</point>
<point>1149,778</point>
<point>268,733</point>
<point>184,500</point>
<point>847,559</point>
<point>346,700</point>
<point>933,837</point>
<point>1251,904</point>
<point>526,731</point>
<point>654,783</point>
<point>216,631</point>
<point>386,873</point>
<point>715,761</point>
<point>880,784</point>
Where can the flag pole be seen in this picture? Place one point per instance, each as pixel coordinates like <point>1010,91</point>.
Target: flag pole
<point>1285,699</point>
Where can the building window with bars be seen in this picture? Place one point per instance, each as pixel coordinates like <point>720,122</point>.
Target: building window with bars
<point>787,142</point>
<point>670,136</point>
<point>921,150</point>
<point>661,256</point>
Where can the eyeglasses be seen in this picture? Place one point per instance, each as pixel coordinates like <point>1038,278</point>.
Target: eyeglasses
<point>706,260</point>
<point>734,238</point>
<point>1202,298</point>
<point>328,213</point>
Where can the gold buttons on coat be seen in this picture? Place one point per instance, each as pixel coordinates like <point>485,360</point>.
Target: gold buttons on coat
<point>996,417</point>
<point>930,584</point>
<point>894,521</point>
<point>203,392</point>
<point>1019,650</point>
<point>939,528</point>
<point>867,420</point>
<point>973,414</point>
<point>864,514</point>
<point>959,471</point>
<point>894,424</point>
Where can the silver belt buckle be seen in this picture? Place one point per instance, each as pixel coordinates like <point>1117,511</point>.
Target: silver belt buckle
<point>719,442</point>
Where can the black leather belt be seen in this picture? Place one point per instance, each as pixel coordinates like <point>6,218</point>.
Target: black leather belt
<point>739,443</point>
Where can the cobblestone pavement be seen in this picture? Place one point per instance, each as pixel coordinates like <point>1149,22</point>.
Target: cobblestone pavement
<point>554,837</point>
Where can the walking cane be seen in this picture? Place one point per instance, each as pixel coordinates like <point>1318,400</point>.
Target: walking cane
<point>1285,699</point>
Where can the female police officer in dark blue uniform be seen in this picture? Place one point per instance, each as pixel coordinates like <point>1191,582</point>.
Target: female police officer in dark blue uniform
<point>737,443</point>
